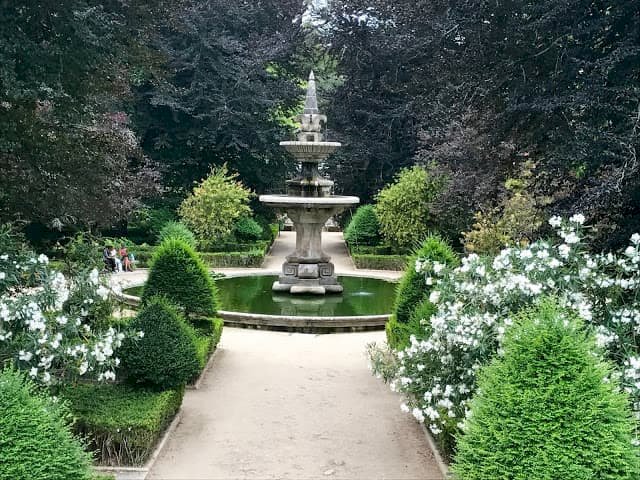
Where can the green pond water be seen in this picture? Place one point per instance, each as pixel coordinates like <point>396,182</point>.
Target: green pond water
<point>361,296</point>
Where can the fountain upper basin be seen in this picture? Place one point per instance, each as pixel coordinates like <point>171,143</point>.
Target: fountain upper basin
<point>332,201</point>
<point>311,151</point>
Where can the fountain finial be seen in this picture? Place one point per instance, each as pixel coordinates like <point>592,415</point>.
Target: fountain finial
<point>311,102</point>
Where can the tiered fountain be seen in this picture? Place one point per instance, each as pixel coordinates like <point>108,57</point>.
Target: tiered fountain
<point>309,204</point>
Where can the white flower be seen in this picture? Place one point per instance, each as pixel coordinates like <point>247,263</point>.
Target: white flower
<point>434,297</point>
<point>140,334</point>
<point>84,366</point>
<point>43,259</point>
<point>2,275</point>
<point>33,372</point>
<point>404,408</point>
<point>571,238</point>
<point>109,375</point>
<point>577,218</point>
<point>25,356</point>
<point>635,238</point>
<point>555,221</point>
<point>564,250</point>
<point>417,413</point>
<point>93,276</point>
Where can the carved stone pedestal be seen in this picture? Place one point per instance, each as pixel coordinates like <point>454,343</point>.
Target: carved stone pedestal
<point>309,278</point>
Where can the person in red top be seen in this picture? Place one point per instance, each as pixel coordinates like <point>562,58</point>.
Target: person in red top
<point>124,256</point>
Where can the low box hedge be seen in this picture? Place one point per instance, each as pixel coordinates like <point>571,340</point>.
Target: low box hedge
<point>209,331</point>
<point>372,250</point>
<point>251,259</point>
<point>121,423</point>
<point>380,262</point>
<point>235,247</point>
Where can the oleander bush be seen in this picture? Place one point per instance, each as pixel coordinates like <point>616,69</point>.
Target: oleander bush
<point>364,227</point>
<point>548,408</point>
<point>36,442</point>
<point>178,273</point>
<point>477,302</point>
<point>246,229</point>
<point>165,356</point>
<point>121,423</point>
<point>414,286</point>
<point>177,231</point>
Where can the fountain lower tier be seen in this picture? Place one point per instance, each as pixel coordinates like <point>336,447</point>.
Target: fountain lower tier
<point>308,269</point>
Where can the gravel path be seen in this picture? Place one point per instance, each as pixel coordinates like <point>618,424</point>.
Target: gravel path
<point>293,406</point>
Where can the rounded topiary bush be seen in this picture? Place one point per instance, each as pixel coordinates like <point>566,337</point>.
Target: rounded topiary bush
<point>548,409</point>
<point>247,230</point>
<point>413,287</point>
<point>364,228</point>
<point>165,356</point>
<point>177,231</point>
<point>178,273</point>
<point>35,438</point>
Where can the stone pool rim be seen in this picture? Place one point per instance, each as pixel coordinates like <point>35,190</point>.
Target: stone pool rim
<point>287,322</point>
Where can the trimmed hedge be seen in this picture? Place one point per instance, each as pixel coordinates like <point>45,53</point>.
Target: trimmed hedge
<point>247,230</point>
<point>208,336</point>
<point>178,273</point>
<point>373,250</point>
<point>166,356</point>
<point>380,262</point>
<point>399,334</point>
<point>364,228</point>
<point>177,231</point>
<point>251,259</point>
<point>413,288</point>
<point>122,423</point>
<point>35,439</point>
<point>216,247</point>
<point>548,408</point>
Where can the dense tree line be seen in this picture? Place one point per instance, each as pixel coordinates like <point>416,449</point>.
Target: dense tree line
<point>475,89</point>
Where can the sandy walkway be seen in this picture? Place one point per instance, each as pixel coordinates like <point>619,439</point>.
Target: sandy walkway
<point>294,406</point>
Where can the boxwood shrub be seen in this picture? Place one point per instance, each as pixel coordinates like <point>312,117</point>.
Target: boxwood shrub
<point>364,228</point>
<point>166,356</point>
<point>413,288</point>
<point>548,409</point>
<point>247,230</point>
<point>380,262</point>
<point>36,442</point>
<point>178,231</point>
<point>249,259</point>
<point>178,273</point>
<point>121,423</point>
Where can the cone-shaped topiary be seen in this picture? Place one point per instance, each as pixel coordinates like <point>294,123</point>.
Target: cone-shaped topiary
<point>178,273</point>
<point>547,409</point>
<point>35,439</point>
<point>413,288</point>
<point>165,356</point>
<point>364,228</point>
<point>399,334</point>
<point>178,231</point>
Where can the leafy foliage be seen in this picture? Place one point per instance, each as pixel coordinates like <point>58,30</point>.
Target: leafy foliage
<point>178,273</point>
<point>364,227</point>
<point>35,438</point>
<point>403,207</point>
<point>547,391</point>
<point>413,286</point>
<point>247,229</point>
<point>215,205</point>
<point>121,423</point>
<point>148,361</point>
<point>177,231</point>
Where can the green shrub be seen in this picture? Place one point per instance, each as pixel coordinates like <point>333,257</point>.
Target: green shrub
<point>247,229</point>
<point>364,228</point>
<point>178,273</point>
<point>548,409</point>
<point>82,253</point>
<point>215,205</point>
<point>250,259</point>
<point>35,440</point>
<point>236,247</point>
<point>413,287</point>
<point>403,207</point>
<point>177,231</point>
<point>165,357</point>
<point>380,262</point>
<point>122,423</point>
<point>373,250</point>
<point>399,334</point>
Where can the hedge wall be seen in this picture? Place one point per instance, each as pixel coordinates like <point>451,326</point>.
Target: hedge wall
<point>380,262</point>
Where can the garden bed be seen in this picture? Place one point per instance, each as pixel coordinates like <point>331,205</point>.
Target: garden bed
<point>122,423</point>
<point>380,262</point>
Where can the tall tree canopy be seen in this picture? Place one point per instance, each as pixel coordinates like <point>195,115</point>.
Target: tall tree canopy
<point>227,90</point>
<point>479,87</point>
<point>67,152</point>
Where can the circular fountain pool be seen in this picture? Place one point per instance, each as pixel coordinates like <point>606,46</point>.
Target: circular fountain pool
<point>250,301</point>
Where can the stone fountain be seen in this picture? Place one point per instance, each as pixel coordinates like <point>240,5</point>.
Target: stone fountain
<point>309,204</point>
